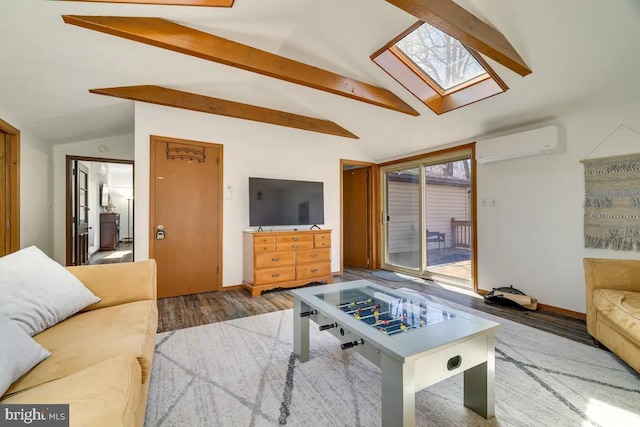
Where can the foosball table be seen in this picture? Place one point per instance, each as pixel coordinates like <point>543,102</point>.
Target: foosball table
<point>415,343</point>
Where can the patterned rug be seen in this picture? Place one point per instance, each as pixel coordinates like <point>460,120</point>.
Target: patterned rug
<point>242,373</point>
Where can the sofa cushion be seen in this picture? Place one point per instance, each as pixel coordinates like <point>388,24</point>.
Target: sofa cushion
<point>622,309</point>
<point>89,338</point>
<point>18,353</point>
<point>105,394</point>
<point>36,292</point>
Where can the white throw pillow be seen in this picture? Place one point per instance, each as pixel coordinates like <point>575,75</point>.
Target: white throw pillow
<point>36,292</point>
<point>18,353</point>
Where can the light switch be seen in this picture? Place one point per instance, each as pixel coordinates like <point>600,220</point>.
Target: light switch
<point>227,192</point>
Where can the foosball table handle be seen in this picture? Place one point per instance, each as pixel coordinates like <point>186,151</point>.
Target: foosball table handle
<point>348,345</point>
<point>308,313</point>
<point>329,326</point>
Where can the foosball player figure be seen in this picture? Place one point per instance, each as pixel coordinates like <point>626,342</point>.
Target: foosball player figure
<point>403,326</point>
<point>422,322</point>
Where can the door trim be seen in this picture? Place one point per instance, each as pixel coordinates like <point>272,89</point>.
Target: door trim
<point>372,232</point>
<point>152,194</point>
<point>419,159</point>
<point>68,199</point>
<point>13,174</point>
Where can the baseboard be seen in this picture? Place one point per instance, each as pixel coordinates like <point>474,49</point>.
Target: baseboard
<point>551,308</point>
<point>231,288</point>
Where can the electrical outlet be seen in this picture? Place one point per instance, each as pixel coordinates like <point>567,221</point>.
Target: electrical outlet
<point>484,202</point>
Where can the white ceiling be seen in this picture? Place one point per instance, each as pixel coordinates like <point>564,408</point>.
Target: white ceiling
<point>583,53</point>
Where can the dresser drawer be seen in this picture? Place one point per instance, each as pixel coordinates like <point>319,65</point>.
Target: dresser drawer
<point>274,259</point>
<point>264,243</point>
<point>285,243</point>
<point>313,255</point>
<point>313,270</point>
<point>322,240</point>
<point>275,275</point>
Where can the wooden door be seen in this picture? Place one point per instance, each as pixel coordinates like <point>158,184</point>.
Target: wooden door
<point>81,214</point>
<point>185,203</point>
<point>4,187</point>
<point>355,193</point>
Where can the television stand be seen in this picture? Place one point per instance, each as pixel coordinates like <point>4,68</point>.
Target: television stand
<point>314,226</point>
<point>259,230</point>
<point>286,259</point>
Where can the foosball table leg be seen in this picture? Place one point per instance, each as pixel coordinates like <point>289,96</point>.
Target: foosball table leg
<point>300,330</point>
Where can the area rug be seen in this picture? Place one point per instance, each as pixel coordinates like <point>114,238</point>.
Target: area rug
<point>242,373</point>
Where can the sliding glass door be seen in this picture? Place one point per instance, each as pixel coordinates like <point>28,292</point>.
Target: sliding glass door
<point>403,218</point>
<point>428,217</point>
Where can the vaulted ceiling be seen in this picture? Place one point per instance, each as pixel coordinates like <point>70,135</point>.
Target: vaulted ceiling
<point>583,53</point>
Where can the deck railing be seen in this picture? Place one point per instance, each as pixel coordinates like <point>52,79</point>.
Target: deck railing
<point>460,233</point>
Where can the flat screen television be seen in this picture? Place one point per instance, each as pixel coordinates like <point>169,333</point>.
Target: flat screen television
<point>285,202</point>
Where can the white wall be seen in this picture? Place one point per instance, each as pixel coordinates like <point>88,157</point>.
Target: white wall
<point>533,237</point>
<point>119,147</point>
<point>250,149</point>
<point>35,193</point>
<point>35,189</point>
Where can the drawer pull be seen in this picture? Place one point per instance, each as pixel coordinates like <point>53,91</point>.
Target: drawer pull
<point>314,255</point>
<point>314,270</point>
<point>295,239</point>
<point>454,363</point>
<point>295,246</point>
<point>265,248</point>
<point>275,259</point>
<point>275,275</point>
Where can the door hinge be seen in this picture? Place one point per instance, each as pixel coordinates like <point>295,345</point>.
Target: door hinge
<point>368,261</point>
<point>73,171</point>
<point>218,269</point>
<point>8,223</point>
<point>218,160</point>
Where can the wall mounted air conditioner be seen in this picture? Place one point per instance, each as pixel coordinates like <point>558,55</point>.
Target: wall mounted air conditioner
<point>546,140</point>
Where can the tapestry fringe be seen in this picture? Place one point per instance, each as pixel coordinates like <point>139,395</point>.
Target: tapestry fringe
<point>615,243</point>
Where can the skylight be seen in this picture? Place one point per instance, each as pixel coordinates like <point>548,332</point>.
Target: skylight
<point>444,59</point>
<point>438,69</point>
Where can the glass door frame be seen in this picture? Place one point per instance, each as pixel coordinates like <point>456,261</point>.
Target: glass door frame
<point>447,155</point>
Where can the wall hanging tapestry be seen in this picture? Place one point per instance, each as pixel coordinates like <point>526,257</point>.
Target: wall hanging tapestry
<point>612,203</point>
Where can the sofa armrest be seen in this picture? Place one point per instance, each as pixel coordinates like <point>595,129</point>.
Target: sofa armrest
<point>119,283</point>
<point>600,273</point>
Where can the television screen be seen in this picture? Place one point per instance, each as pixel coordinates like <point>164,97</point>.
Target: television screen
<point>284,202</point>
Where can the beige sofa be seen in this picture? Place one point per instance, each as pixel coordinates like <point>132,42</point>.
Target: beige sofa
<point>101,357</point>
<point>613,306</point>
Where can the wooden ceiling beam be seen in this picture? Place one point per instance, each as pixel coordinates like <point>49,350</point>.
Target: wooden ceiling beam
<point>206,3</point>
<point>222,107</point>
<point>178,38</point>
<point>449,17</point>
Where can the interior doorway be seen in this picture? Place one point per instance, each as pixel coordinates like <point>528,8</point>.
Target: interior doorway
<point>358,218</point>
<point>100,211</point>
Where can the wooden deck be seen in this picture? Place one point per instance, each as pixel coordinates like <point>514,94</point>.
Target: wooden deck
<point>459,270</point>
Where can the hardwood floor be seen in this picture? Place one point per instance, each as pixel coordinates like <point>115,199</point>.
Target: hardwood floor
<point>124,253</point>
<point>201,309</point>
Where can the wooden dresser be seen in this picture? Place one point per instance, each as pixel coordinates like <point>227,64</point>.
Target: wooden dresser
<point>109,231</point>
<point>284,259</point>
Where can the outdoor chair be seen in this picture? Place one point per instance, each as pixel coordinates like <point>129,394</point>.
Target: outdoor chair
<point>436,236</point>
